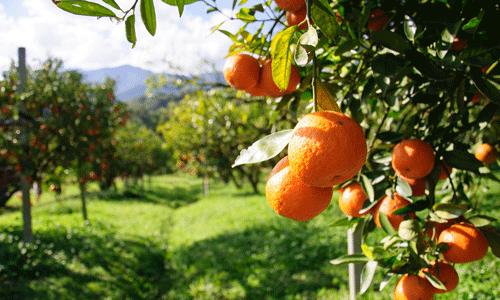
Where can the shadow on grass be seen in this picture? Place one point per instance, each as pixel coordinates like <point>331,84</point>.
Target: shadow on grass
<point>81,263</point>
<point>264,262</point>
<point>9,209</point>
<point>173,197</point>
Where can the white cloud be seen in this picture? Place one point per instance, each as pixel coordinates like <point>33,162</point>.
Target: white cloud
<point>88,43</point>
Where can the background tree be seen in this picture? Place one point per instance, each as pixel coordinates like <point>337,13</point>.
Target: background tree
<point>207,130</point>
<point>69,123</point>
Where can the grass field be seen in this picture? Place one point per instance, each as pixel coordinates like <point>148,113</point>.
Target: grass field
<point>168,241</point>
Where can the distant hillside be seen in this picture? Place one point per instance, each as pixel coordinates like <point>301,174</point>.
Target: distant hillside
<point>130,81</point>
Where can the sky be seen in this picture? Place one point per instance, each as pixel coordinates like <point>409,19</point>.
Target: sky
<point>88,43</point>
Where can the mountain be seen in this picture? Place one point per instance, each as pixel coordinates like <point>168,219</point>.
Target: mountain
<point>129,80</point>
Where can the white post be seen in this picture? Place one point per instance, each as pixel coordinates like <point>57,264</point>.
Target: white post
<point>354,247</point>
<point>25,188</point>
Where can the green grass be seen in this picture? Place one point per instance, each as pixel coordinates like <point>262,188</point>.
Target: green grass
<point>168,241</point>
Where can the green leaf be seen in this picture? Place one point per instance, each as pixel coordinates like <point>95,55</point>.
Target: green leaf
<point>494,241</point>
<point>306,46</point>
<point>148,16</point>
<point>403,188</point>
<point>385,64</point>
<point>386,224</point>
<point>447,38</point>
<point>130,30</point>
<point>246,15</point>
<point>425,66</point>
<point>410,28</point>
<point>349,259</point>
<point>112,3</point>
<point>449,210</point>
<point>368,89</point>
<point>367,251</point>
<point>180,4</point>
<point>345,222</point>
<point>184,2</point>
<point>368,187</point>
<point>481,220</point>
<point>409,230</point>
<point>367,275</point>
<point>382,82</point>
<point>265,148</point>
<point>487,114</point>
<point>391,40</point>
<point>391,242</point>
<point>411,208</point>
<point>461,159</point>
<point>434,281</point>
<point>326,100</point>
<point>479,56</point>
<point>325,19</point>
<point>389,136</point>
<point>85,8</point>
<point>387,278</point>
<point>346,46</point>
<point>488,87</point>
<point>425,98</point>
<point>282,57</point>
<point>473,24</point>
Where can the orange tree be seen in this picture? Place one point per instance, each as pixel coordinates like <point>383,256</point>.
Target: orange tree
<point>139,151</point>
<point>67,123</point>
<point>412,70</point>
<point>207,130</point>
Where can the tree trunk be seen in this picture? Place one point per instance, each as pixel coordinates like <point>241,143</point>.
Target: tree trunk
<point>84,203</point>
<point>27,229</point>
<point>206,187</point>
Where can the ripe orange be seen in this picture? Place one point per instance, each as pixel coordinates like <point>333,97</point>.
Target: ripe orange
<point>446,273</point>
<point>291,5</point>
<point>295,18</point>
<point>242,71</point>
<point>465,242</point>
<point>458,44</point>
<point>476,98</point>
<point>413,287</point>
<point>256,90</point>
<point>292,198</point>
<point>327,148</point>
<point>377,20</point>
<point>351,199</point>
<point>268,85</point>
<point>444,170</point>
<point>413,158</point>
<point>486,153</point>
<point>417,185</point>
<point>389,205</point>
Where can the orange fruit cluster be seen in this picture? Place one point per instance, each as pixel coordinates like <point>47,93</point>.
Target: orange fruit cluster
<point>292,198</point>
<point>245,72</point>
<point>326,148</point>
<point>413,160</point>
<point>296,12</point>
<point>465,242</point>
